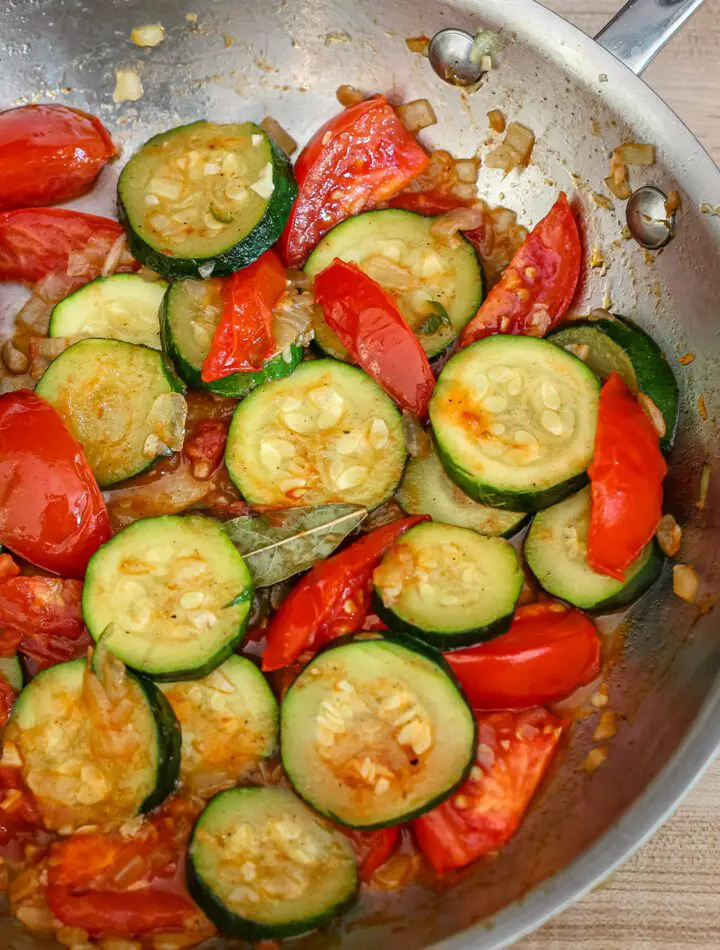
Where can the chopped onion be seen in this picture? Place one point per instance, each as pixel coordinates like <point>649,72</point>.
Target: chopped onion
<point>496,120</point>
<point>669,535</point>
<point>299,279</point>
<point>206,270</point>
<point>418,44</point>
<point>685,582</point>
<point>704,486</point>
<point>391,275</point>
<point>416,438</point>
<point>635,153</point>
<point>581,350</point>
<point>149,35</point>
<point>653,413</point>
<point>446,226</point>
<point>277,133</point>
<point>113,255</point>
<point>486,43</point>
<point>467,170</point>
<point>673,203</point>
<point>169,494</point>
<point>348,95</point>
<point>416,115</point>
<point>465,191</point>
<point>594,759</point>
<point>606,727</point>
<point>515,150</point>
<point>128,87</point>
<point>539,320</point>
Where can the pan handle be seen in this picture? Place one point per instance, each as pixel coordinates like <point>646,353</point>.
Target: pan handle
<point>639,31</point>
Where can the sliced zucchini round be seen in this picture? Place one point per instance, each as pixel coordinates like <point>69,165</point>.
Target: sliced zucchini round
<point>171,595</point>
<point>93,754</point>
<point>121,307</point>
<point>113,396</point>
<point>555,550</point>
<point>375,731</point>
<point>438,286</point>
<point>328,434</point>
<point>11,669</point>
<point>514,420</point>
<point>204,199</point>
<point>448,586</point>
<point>229,721</point>
<point>427,490</point>
<point>617,344</point>
<point>189,317</point>
<point>262,865</point>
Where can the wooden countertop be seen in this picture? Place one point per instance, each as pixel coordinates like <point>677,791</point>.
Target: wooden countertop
<point>668,894</point>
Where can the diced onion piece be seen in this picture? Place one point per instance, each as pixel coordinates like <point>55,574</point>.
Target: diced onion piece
<point>635,153</point>
<point>205,270</point>
<point>416,438</point>
<point>594,759</point>
<point>446,226</point>
<point>465,191</point>
<point>496,120</point>
<point>418,44</point>
<point>128,87</point>
<point>167,495</point>
<point>515,150</point>
<point>653,413</point>
<point>621,189</point>
<point>467,170</point>
<point>392,276</point>
<point>669,535</point>
<point>606,727</point>
<point>685,582</point>
<point>348,95</point>
<point>118,246</point>
<point>167,419</point>
<point>277,133</point>
<point>299,279</point>
<point>486,43</point>
<point>581,350</point>
<point>673,203</point>
<point>704,486</point>
<point>416,115</point>
<point>151,34</point>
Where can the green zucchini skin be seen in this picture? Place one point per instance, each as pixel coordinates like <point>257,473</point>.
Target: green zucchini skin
<point>652,372</point>
<point>441,641</point>
<point>265,233</point>
<point>638,585</point>
<point>168,733</point>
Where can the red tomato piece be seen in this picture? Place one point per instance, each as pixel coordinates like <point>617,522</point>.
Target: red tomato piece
<point>129,914</point>
<point>53,513</point>
<point>376,334</point>
<point>548,652</point>
<point>243,339</point>
<point>538,284</point>
<point>359,158</point>
<point>18,812</point>
<point>8,568</point>
<point>50,153</point>
<point>7,699</point>
<point>427,202</point>
<point>35,242</point>
<point>626,479</point>
<point>315,610</point>
<point>41,617</point>
<point>205,446</point>
<point>374,848</point>
<point>514,752</point>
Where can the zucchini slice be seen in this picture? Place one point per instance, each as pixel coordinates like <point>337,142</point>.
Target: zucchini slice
<point>204,199</point>
<point>375,731</point>
<point>427,490</point>
<point>262,865</point>
<point>327,434</point>
<point>555,550</point>
<point>396,248</point>
<point>94,755</point>
<point>189,317</point>
<point>616,343</point>
<point>171,594</point>
<point>229,722</point>
<point>121,307</point>
<point>115,399</point>
<point>514,420</point>
<point>11,669</point>
<point>448,586</point>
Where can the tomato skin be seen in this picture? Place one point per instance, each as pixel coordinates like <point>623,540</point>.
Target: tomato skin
<point>626,477</point>
<point>548,652</point>
<point>427,202</point>
<point>374,848</point>
<point>132,914</point>
<point>42,618</point>
<point>205,446</point>
<point>359,158</point>
<point>537,287</point>
<point>7,699</point>
<point>53,512</point>
<point>315,611</point>
<point>49,154</point>
<point>19,815</point>
<point>35,242</point>
<point>243,339</point>
<point>496,800</point>
<point>377,335</point>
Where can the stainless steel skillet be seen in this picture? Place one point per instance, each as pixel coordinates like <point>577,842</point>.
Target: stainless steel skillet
<point>286,58</point>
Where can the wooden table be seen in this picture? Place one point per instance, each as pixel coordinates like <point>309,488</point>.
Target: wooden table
<point>668,895</point>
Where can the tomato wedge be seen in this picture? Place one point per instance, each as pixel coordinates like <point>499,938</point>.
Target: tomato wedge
<point>50,153</point>
<point>52,512</point>
<point>374,848</point>
<point>331,600</point>
<point>357,159</point>
<point>243,339</point>
<point>41,617</point>
<point>514,752</point>
<point>129,914</point>
<point>626,477</point>
<point>376,334</point>
<point>538,284</point>
<point>427,202</point>
<point>35,242</point>
<point>548,652</point>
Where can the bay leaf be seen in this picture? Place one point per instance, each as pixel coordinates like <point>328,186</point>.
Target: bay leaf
<point>279,544</point>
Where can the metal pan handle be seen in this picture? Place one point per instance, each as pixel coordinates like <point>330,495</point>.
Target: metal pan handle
<point>639,31</point>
